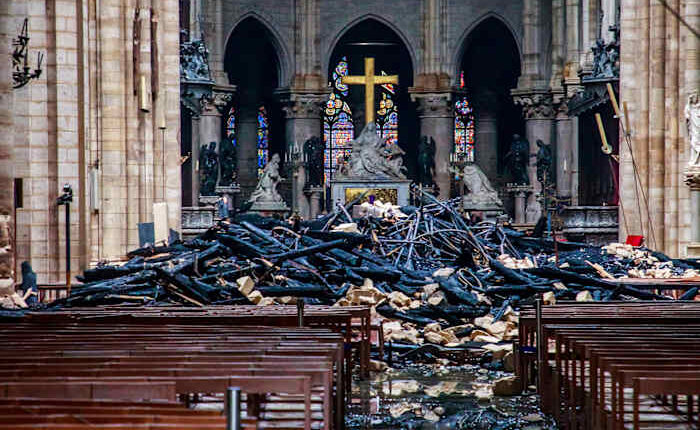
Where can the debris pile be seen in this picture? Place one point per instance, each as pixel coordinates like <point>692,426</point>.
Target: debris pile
<point>430,274</point>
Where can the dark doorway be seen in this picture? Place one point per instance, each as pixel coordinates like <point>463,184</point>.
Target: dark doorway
<point>253,65</point>
<point>371,38</point>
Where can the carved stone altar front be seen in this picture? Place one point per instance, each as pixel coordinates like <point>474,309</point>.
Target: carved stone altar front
<point>374,167</point>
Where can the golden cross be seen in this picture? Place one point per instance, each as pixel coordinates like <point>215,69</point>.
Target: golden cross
<point>369,80</point>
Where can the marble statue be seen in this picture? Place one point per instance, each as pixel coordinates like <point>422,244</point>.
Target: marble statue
<point>266,190</point>
<point>371,157</point>
<point>518,159</point>
<point>313,154</point>
<point>209,169</point>
<point>692,118</point>
<point>544,161</point>
<point>481,192</point>
<point>426,161</point>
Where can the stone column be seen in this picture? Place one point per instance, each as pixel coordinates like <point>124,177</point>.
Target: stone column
<point>314,194</point>
<point>247,138</point>
<point>196,143</point>
<point>564,164</point>
<point>302,113</point>
<point>486,133</point>
<point>7,263</point>
<point>210,125</point>
<point>436,114</point>
<point>539,117</point>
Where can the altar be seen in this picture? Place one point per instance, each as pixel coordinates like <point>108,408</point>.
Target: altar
<point>396,191</point>
<point>375,168</point>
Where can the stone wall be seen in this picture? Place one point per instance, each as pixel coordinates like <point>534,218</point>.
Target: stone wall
<point>659,67</point>
<point>7,245</point>
<point>88,116</point>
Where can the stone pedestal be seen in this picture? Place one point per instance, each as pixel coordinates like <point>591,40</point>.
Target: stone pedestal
<point>314,194</point>
<point>520,193</point>
<point>436,113</point>
<point>488,212</point>
<point>396,191</point>
<point>297,177</point>
<point>271,209</point>
<point>231,193</point>
<point>207,200</point>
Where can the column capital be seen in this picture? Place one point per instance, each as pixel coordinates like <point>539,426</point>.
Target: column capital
<point>301,104</point>
<point>216,102</point>
<point>536,104</point>
<point>433,104</point>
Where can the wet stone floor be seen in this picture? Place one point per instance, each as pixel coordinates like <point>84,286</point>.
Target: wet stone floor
<point>440,397</point>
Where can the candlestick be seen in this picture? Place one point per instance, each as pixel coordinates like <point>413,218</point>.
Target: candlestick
<point>613,100</point>
<point>606,148</point>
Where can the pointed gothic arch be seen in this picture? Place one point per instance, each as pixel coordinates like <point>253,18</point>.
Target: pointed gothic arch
<point>488,66</point>
<point>464,40</point>
<point>328,60</point>
<point>254,64</point>
<point>395,115</point>
<point>284,68</point>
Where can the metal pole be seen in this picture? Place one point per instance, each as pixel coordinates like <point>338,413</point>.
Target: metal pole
<point>68,247</point>
<point>300,312</point>
<point>232,408</point>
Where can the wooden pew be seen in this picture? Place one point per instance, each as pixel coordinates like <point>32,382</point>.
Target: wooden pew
<point>183,354</point>
<point>614,366</point>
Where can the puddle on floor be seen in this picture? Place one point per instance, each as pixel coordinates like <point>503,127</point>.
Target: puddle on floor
<point>438,397</point>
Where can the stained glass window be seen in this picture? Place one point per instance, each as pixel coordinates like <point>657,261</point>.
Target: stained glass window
<point>338,128</point>
<point>388,118</point>
<point>263,134</point>
<point>231,125</point>
<point>464,126</point>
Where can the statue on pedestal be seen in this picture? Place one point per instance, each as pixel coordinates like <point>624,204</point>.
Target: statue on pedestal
<point>208,167</point>
<point>518,159</point>
<point>426,161</point>
<point>481,192</point>
<point>371,157</point>
<point>266,190</point>
<point>313,154</point>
